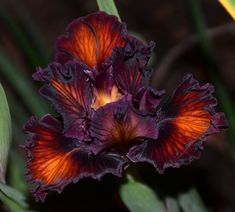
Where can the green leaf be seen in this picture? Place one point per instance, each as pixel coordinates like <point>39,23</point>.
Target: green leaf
<point>5,133</point>
<point>12,198</point>
<point>229,5</point>
<point>9,196</point>
<point>172,205</point>
<point>13,194</point>
<point>139,197</point>
<point>13,206</point>
<point>108,6</point>
<point>191,201</point>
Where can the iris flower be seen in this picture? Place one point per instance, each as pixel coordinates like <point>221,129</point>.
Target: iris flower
<point>109,115</point>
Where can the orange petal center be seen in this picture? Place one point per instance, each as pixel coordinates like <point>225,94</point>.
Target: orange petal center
<point>102,97</point>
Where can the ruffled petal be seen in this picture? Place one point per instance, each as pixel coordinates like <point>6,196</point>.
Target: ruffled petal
<point>184,123</point>
<point>117,125</point>
<point>91,39</point>
<point>129,66</point>
<point>147,100</point>
<point>70,91</point>
<point>55,161</point>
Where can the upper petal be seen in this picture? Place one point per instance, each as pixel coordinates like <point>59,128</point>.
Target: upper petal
<point>55,161</point>
<point>91,39</point>
<point>184,123</point>
<point>70,91</point>
<point>130,69</point>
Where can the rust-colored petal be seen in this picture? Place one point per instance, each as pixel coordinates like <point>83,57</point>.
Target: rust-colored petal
<point>70,92</point>
<point>91,39</point>
<point>55,161</point>
<point>183,124</point>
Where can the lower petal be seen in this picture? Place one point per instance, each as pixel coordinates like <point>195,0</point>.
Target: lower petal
<point>116,124</point>
<point>184,123</point>
<point>55,161</point>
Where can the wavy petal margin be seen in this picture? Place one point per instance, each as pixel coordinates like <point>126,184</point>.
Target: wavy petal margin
<point>70,92</point>
<point>129,64</point>
<point>147,100</point>
<point>184,123</point>
<point>100,85</point>
<point>55,161</point>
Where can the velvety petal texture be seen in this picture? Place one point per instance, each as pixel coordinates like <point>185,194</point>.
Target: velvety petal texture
<point>69,90</point>
<point>129,67</point>
<point>184,123</point>
<point>91,39</point>
<point>109,116</point>
<point>121,126</point>
<point>147,100</point>
<point>55,161</point>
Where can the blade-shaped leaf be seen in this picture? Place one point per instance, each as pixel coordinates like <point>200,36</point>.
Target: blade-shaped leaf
<point>5,133</point>
<point>140,198</point>
<point>13,206</point>
<point>108,6</point>
<point>172,205</point>
<point>191,201</point>
<point>13,194</point>
<point>229,5</point>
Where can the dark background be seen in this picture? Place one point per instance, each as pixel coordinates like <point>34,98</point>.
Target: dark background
<point>172,26</point>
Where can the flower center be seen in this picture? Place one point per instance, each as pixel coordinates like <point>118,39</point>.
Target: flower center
<point>103,97</point>
<point>124,133</point>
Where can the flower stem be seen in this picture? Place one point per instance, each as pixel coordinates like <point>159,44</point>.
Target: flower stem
<point>108,6</point>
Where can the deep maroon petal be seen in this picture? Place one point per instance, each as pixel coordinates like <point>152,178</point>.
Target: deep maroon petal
<point>117,125</point>
<point>55,161</point>
<point>70,92</point>
<point>129,66</point>
<point>184,123</point>
<point>91,39</point>
<point>103,81</point>
<point>147,100</point>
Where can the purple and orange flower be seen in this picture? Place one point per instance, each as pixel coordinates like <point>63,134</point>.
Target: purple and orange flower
<point>109,115</point>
